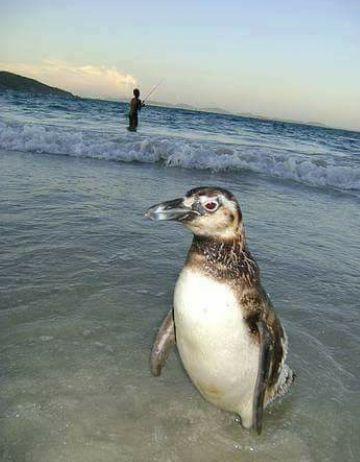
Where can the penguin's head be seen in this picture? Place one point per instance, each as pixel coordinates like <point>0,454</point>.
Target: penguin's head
<point>206,211</point>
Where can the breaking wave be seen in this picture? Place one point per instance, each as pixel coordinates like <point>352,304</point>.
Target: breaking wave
<point>173,151</point>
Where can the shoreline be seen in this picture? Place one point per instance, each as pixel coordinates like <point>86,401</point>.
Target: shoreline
<point>87,280</point>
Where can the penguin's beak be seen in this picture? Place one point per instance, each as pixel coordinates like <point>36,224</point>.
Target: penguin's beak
<point>169,210</point>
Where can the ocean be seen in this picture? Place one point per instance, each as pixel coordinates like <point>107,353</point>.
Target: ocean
<point>85,281</point>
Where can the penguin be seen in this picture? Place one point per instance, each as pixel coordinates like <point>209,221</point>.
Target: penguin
<point>230,340</point>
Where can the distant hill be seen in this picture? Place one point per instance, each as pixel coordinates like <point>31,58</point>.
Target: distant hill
<point>216,110</point>
<point>15,82</point>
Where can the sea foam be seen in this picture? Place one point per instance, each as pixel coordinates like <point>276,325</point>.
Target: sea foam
<point>177,151</point>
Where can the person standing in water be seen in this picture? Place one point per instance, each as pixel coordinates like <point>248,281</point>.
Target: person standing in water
<point>135,105</point>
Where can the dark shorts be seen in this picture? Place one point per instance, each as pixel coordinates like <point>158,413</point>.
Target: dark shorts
<point>133,120</point>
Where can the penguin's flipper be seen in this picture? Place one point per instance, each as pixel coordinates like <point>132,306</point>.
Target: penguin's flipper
<point>164,341</point>
<point>263,374</point>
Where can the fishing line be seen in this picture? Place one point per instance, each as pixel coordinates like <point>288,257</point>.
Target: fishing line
<point>152,90</point>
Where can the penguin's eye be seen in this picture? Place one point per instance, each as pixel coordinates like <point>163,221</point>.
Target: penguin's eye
<point>211,206</point>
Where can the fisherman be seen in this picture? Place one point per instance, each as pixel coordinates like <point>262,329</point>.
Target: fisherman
<point>135,105</point>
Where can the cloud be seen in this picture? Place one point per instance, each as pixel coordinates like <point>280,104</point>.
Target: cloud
<point>84,80</point>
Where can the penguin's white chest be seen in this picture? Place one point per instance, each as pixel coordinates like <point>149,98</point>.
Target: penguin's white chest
<point>214,342</point>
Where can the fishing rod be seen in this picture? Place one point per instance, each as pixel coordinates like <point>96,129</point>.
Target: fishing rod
<point>152,90</point>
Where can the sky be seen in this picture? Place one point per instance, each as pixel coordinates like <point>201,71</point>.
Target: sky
<point>281,59</point>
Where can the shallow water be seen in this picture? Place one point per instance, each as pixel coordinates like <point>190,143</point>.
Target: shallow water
<point>85,282</point>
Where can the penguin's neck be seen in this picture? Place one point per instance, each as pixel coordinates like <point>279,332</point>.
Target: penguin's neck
<point>224,258</point>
